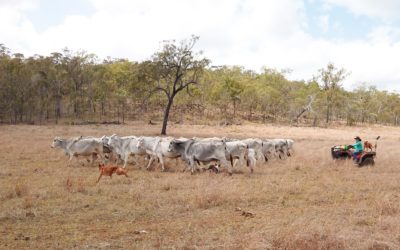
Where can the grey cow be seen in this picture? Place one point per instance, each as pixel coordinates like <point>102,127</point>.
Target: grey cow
<point>192,151</point>
<point>157,148</point>
<point>79,147</point>
<point>125,147</point>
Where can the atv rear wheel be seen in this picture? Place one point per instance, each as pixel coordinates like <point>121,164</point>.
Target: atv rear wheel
<point>367,161</point>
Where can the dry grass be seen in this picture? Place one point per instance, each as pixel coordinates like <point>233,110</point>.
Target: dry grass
<point>305,202</point>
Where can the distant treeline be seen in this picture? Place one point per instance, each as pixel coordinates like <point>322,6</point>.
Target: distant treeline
<point>72,86</point>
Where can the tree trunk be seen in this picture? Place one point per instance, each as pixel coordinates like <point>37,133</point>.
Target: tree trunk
<point>328,111</point>
<point>57,109</point>
<point>234,110</point>
<point>118,112</point>
<point>315,121</point>
<point>362,116</point>
<point>250,112</point>
<point>47,112</point>
<point>166,115</point>
<point>123,112</point>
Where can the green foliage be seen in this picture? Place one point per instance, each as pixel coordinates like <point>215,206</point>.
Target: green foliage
<point>76,85</point>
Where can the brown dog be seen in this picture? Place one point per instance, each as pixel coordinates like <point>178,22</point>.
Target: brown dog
<point>368,145</point>
<point>110,170</point>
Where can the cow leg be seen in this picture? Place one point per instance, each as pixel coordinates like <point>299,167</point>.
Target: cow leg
<point>69,160</point>
<point>145,159</point>
<point>252,164</point>
<point>192,165</point>
<point>230,169</point>
<point>102,157</point>
<point>235,161</point>
<point>134,159</point>
<point>226,164</point>
<point>160,158</point>
<point>118,159</point>
<point>150,162</point>
<point>241,160</point>
<point>282,154</point>
<point>93,159</point>
<point>126,156</point>
<point>72,156</point>
<point>260,157</point>
<point>196,165</point>
<point>185,166</point>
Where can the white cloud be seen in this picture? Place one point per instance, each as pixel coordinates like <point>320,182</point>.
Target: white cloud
<point>385,9</point>
<point>385,34</point>
<point>15,29</point>
<point>19,4</point>
<point>252,33</point>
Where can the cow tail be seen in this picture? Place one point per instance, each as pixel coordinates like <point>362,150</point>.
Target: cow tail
<point>231,159</point>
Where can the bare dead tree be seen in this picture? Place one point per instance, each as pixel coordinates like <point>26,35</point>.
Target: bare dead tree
<point>305,108</point>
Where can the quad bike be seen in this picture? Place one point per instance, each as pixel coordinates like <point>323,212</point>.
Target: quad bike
<point>365,158</point>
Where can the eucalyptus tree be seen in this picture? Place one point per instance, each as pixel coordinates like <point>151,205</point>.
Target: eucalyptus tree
<point>331,82</point>
<point>176,67</point>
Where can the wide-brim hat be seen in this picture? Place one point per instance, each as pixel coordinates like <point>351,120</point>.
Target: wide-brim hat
<point>357,138</point>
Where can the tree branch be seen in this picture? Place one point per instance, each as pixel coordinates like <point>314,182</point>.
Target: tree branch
<point>305,108</point>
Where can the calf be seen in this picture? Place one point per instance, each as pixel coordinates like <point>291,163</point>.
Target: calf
<point>110,170</point>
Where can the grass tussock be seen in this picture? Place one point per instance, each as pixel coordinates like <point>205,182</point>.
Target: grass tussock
<point>308,241</point>
<point>206,200</point>
<point>21,189</point>
<point>387,207</point>
<point>75,185</point>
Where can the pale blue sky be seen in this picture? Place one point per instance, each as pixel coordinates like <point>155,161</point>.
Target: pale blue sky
<point>362,36</point>
<point>344,24</point>
<point>53,12</point>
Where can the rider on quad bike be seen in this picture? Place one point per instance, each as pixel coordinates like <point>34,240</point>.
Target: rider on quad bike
<point>357,149</point>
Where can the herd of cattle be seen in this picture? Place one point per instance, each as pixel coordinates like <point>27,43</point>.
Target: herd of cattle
<point>194,151</point>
